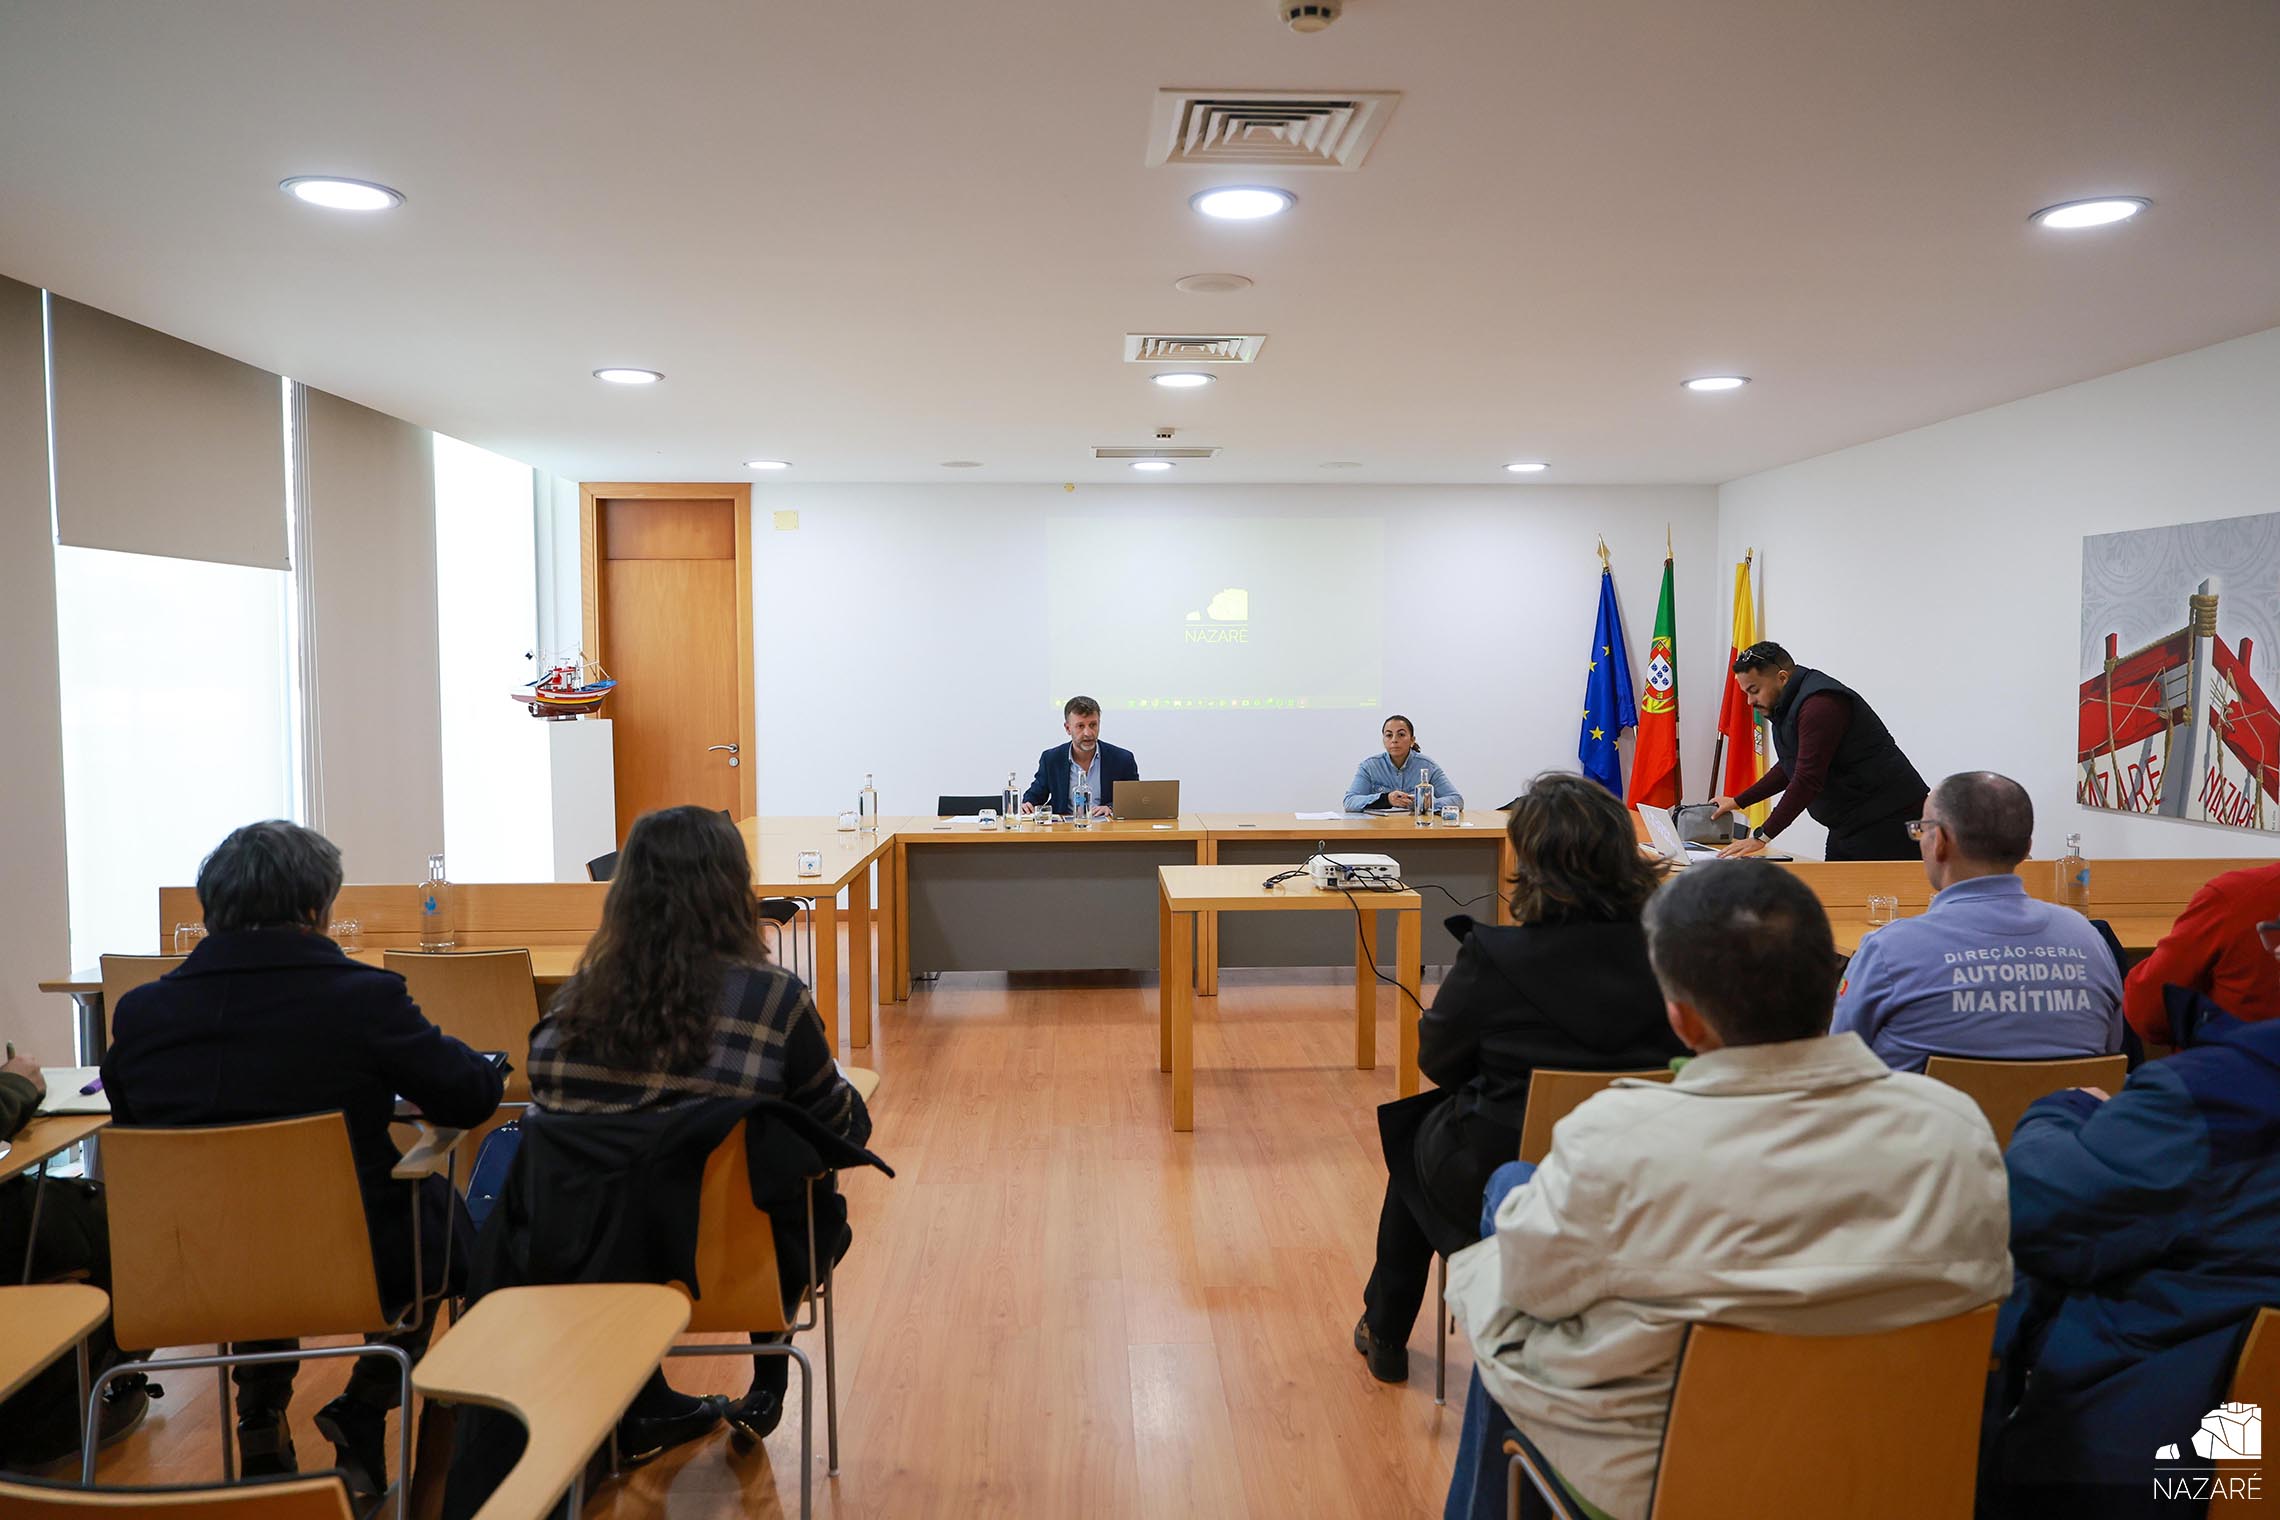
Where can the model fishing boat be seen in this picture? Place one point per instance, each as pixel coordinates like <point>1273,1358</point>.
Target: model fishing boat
<point>570,688</point>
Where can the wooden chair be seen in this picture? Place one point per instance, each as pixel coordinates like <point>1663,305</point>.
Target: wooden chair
<point>249,1232</point>
<point>487,999</point>
<point>1552,1096</point>
<point>566,1361</point>
<point>2256,1380</point>
<point>1871,1427</point>
<point>743,1293</point>
<point>320,1496</point>
<point>122,974</point>
<point>2004,1090</point>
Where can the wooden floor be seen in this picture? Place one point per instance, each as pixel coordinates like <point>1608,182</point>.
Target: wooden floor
<point>1058,1307</point>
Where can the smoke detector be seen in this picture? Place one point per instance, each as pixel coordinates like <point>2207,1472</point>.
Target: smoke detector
<point>1308,15</point>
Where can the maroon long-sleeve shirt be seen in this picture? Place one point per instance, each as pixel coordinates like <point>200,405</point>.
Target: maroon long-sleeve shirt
<point>1821,722</point>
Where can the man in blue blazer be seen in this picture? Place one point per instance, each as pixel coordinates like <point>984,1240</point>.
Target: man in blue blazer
<point>1101,765</point>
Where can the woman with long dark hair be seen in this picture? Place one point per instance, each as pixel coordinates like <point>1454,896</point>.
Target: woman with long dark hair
<point>675,1000</point>
<point>1567,986</point>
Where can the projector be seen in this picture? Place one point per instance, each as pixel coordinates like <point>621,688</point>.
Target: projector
<point>1336,872</point>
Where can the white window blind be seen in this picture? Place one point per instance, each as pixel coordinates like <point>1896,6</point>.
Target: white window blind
<point>163,447</point>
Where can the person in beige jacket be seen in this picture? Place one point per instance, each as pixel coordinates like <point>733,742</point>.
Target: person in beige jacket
<point>1787,1180</point>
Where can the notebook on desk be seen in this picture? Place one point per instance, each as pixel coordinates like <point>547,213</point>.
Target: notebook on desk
<point>64,1095</point>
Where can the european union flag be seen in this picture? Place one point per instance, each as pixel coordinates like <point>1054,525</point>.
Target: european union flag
<point>1608,706</point>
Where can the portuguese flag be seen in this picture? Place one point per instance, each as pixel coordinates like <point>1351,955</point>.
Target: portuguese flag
<point>1654,752</point>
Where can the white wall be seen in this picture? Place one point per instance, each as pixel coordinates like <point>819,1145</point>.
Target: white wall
<point>903,630</point>
<point>35,920</point>
<point>1939,572</point>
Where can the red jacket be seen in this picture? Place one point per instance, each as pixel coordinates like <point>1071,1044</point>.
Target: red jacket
<point>2213,949</point>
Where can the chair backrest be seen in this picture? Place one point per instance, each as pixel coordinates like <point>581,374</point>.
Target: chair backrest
<point>1871,1427</point>
<point>1553,1095</point>
<point>736,1250</point>
<point>486,999</point>
<point>317,1496</point>
<point>240,1232</point>
<point>602,867</point>
<point>122,974</point>
<point>2004,1090</point>
<point>957,807</point>
<point>2256,1380</point>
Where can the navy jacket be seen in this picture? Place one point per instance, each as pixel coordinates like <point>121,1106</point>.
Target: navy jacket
<point>1052,778</point>
<point>2146,1230</point>
<point>273,1023</point>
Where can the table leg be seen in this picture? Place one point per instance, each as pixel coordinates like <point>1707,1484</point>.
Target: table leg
<point>1507,867</point>
<point>826,968</point>
<point>1408,939</point>
<point>1182,993</point>
<point>902,923</point>
<point>89,1036</point>
<point>1207,929</point>
<point>1365,994</point>
<point>859,959</point>
<point>890,895</point>
<point>1163,984</point>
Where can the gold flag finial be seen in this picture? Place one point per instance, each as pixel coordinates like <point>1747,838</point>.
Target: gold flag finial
<point>1668,551</point>
<point>1604,562</point>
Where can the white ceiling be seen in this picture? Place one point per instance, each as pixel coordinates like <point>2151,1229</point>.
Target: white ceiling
<point>871,235</point>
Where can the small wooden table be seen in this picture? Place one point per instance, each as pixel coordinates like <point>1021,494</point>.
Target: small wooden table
<point>1186,891</point>
<point>565,1360</point>
<point>846,858</point>
<point>34,1145</point>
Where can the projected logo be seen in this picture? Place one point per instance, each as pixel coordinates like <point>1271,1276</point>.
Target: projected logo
<point>1227,620</point>
<point>2229,1434</point>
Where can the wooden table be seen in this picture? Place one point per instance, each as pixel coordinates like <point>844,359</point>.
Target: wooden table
<point>846,861</point>
<point>565,1360</point>
<point>40,1322</point>
<point>2138,935</point>
<point>1185,892</point>
<point>35,1145</point>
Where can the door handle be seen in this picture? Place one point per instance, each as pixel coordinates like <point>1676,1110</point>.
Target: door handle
<point>733,752</point>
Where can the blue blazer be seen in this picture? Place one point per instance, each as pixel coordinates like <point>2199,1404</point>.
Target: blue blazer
<point>1052,778</point>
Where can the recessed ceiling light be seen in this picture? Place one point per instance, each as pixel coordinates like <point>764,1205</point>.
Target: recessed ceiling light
<point>1183,379</point>
<point>961,464</point>
<point>2069,216</point>
<point>1339,464</point>
<point>618,375</point>
<point>1151,464</point>
<point>767,464</point>
<point>341,194</point>
<point>1717,382</point>
<point>1242,203</point>
<point>1211,284</point>
<point>1527,466</point>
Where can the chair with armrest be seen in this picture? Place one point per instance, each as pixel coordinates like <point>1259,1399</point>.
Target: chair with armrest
<point>565,1360</point>
<point>251,1232</point>
<point>2005,1090</point>
<point>1882,1426</point>
<point>1553,1094</point>
<point>299,1496</point>
<point>38,1323</point>
<point>2256,1380</point>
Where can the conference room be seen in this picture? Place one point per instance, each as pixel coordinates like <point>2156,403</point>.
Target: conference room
<point>1278,757</point>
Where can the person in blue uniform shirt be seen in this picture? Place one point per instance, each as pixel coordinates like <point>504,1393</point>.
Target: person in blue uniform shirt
<point>1392,778</point>
<point>1083,759</point>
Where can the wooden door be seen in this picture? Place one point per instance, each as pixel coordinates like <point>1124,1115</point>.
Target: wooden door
<point>670,576</point>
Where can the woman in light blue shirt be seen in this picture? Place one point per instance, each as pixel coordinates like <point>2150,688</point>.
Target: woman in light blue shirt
<point>1391,779</point>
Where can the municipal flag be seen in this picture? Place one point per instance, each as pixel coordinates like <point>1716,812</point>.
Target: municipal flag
<point>1654,754</point>
<point>1608,707</point>
<point>1741,733</point>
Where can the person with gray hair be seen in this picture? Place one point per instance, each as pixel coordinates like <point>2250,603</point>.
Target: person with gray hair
<point>268,1019</point>
<point>1987,971</point>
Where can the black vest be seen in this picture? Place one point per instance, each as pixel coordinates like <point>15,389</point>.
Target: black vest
<point>1869,779</point>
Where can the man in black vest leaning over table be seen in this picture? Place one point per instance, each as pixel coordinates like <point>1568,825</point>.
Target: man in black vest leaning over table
<point>1837,761</point>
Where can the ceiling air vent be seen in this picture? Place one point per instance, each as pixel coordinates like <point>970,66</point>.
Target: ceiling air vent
<point>1152,451</point>
<point>1192,348</point>
<point>1273,129</point>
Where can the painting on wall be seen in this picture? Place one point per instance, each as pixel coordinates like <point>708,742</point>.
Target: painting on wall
<point>2179,629</point>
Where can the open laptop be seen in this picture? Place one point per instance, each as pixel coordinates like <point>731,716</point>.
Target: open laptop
<point>1147,799</point>
<point>1662,833</point>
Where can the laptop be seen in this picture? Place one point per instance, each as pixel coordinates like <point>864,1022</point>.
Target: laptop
<point>1662,833</point>
<point>1147,799</point>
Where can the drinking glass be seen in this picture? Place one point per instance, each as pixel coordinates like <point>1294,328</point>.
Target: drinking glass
<point>348,933</point>
<point>186,937</point>
<point>1882,910</point>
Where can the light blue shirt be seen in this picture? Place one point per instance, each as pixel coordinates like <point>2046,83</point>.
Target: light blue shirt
<point>1084,777</point>
<point>1378,775</point>
<point>1989,973</point>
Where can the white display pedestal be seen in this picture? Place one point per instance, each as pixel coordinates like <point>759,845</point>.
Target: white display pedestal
<point>578,757</point>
